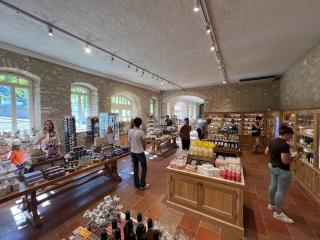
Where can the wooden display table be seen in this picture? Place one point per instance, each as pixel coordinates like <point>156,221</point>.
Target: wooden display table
<point>160,146</point>
<point>107,167</point>
<point>213,199</point>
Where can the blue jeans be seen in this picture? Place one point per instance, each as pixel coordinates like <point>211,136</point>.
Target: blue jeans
<point>139,158</point>
<point>280,181</point>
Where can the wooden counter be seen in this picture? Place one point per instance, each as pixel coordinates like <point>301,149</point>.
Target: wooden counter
<point>213,199</point>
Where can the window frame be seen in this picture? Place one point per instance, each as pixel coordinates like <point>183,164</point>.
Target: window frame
<point>13,99</point>
<point>118,105</point>
<point>79,94</point>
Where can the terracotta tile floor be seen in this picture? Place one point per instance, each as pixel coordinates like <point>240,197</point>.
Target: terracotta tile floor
<point>64,213</point>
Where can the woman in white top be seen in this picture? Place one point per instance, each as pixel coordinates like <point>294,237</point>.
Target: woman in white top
<point>47,133</point>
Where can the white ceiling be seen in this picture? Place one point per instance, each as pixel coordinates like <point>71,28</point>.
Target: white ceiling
<point>167,37</point>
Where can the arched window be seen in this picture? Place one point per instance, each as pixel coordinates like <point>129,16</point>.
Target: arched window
<point>122,106</point>
<point>80,106</point>
<point>16,106</point>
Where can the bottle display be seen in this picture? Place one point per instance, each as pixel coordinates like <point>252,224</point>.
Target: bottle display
<point>231,141</point>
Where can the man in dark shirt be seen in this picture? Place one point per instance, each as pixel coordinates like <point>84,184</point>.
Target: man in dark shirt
<point>279,166</point>
<point>185,134</point>
<point>168,121</point>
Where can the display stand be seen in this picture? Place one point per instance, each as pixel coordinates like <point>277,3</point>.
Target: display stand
<point>212,199</point>
<point>162,145</point>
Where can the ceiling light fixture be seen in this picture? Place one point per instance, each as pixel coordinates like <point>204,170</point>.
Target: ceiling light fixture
<point>208,29</point>
<point>50,31</point>
<point>87,48</point>
<point>212,48</point>
<point>161,81</point>
<point>196,5</point>
<point>224,82</point>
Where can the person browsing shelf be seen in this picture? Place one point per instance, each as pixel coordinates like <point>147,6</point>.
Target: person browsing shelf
<point>256,133</point>
<point>279,165</point>
<point>184,134</point>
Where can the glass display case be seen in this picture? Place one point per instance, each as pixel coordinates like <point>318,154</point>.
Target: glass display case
<point>305,136</point>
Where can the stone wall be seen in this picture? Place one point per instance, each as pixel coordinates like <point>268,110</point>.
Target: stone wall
<point>300,85</point>
<point>232,98</point>
<point>52,84</point>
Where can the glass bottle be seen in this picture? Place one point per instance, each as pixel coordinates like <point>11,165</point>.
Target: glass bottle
<point>104,235</point>
<point>156,234</point>
<point>128,229</point>
<point>150,229</point>
<point>141,228</point>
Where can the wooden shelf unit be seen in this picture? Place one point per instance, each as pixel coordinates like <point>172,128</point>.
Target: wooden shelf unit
<point>245,121</point>
<point>305,124</point>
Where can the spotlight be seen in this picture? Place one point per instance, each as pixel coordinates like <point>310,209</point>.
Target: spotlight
<point>161,82</point>
<point>50,31</point>
<point>196,5</point>
<point>212,48</point>
<point>224,82</point>
<point>87,48</point>
<point>208,29</point>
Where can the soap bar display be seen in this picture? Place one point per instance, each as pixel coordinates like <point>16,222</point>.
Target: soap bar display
<point>71,166</point>
<point>33,178</point>
<point>54,172</point>
<point>202,148</point>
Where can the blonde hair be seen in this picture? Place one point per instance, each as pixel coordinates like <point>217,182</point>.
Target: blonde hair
<point>52,129</point>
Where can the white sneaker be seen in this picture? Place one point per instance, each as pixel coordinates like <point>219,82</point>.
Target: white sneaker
<point>282,217</point>
<point>271,207</point>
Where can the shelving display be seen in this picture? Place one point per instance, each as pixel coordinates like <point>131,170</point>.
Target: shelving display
<point>305,124</point>
<point>70,134</point>
<point>106,120</point>
<point>151,124</point>
<point>92,127</point>
<point>237,117</point>
<point>249,119</point>
<point>305,136</point>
